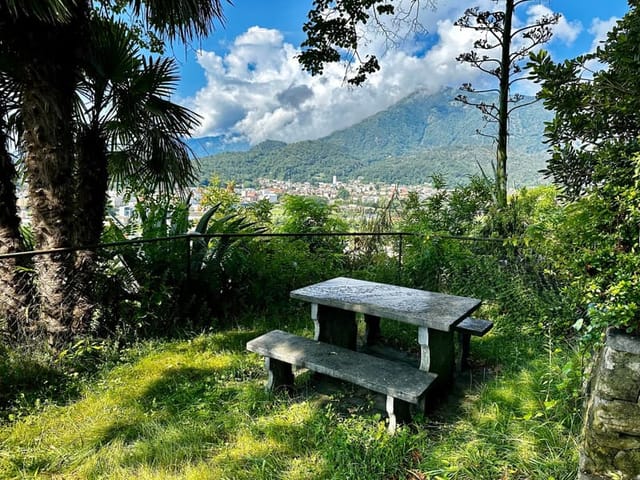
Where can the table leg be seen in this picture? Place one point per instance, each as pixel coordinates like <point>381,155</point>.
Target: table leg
<point>372,333</point>
<point>437,353</point>
<point>335,326</point>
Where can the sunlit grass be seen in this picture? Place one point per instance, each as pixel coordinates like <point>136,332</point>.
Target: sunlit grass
<point>197,409</point>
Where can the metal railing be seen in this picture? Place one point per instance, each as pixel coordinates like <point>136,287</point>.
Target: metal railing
<point>161,281</point>
<point>166,267</point>
<point>189,237</point>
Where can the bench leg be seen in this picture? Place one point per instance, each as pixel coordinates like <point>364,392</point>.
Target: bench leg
<point>372,333</point>
<point>280,375</point>
<point>398,411</point>
<point>437,355</point>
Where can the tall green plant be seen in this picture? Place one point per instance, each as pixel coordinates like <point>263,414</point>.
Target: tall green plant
<point>500,51</point>
<point>455,211</point>
<point>313,215</point>
<point>174,283</point>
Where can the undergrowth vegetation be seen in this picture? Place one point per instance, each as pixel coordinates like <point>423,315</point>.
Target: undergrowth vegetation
<point>164,388</point>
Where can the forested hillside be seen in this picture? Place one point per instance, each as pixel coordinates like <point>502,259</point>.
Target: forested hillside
<point>407,143</point>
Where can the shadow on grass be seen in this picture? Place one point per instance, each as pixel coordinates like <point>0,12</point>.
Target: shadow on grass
<point>223,419</point>
<point>25,382</point>
<point>220,417</point>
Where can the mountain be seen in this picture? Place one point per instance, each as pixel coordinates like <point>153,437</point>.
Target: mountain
<point>419,136</point>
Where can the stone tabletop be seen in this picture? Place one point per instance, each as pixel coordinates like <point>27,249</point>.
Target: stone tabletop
<point>417,307</point>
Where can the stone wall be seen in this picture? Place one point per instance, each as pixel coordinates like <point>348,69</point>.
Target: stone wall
<point>611,438</point>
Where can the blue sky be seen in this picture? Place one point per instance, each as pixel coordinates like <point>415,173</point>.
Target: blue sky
<point>245,83</point>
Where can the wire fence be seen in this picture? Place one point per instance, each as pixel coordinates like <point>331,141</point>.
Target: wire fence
<point>189,280</point>
<point>151,286</point>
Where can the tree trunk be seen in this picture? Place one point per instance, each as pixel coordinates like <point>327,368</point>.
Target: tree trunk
<point>92,180</point>
<point>47,107</point>
<point>91,201</point>
<point>503,109</point>
<point>49,172</point>
<point>14,286</point>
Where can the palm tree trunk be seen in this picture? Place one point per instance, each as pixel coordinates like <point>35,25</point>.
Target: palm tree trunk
<point>91,202</point>
<point>50,80</point>
<point>14,287</point>
<point>47,107</point>
<point>49,163</point>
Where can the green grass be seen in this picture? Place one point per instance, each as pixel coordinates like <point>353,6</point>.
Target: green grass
<point>196,409</point>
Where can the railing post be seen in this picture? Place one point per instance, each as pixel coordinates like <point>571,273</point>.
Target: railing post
<point>399,279</point>
<point>188,243</point>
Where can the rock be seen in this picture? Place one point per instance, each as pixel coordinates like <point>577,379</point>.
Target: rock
<point>619,417</point>
<point>619,377</point>
<point>611,437</point>
<point>628,461</point>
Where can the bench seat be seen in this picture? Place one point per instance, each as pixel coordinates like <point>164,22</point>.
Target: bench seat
<point>402,384</point>
<point>474,326</point>
<point>477,327</point>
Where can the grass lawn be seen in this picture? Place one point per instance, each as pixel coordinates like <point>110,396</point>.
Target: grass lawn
<point>197,409</point>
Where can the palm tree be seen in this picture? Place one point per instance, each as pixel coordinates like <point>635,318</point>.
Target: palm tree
<point>44,46</point>
<point>128,129</point>
<point>129,134</point>
<point>40,55</point>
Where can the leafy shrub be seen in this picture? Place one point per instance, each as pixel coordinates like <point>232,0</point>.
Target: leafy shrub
<point>457,211</point>
<point>278,265</point>
<point>528,209</point>
<point>312,215</point>
<point>596,246</point>
<point>516,277</point>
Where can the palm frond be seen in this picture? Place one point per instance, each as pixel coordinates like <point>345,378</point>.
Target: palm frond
<point>112,58</point>
<point>156,162</point>
<point>50,11</point>
<point>112,54</point>
<point>125,96</point>
<point>143,103</point>
<point>183,19</point>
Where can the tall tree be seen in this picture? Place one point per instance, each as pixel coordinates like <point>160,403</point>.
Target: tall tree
<point>511,46</point>
<point>44,52</point>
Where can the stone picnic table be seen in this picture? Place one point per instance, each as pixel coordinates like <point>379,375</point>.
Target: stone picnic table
<point>335,302</point>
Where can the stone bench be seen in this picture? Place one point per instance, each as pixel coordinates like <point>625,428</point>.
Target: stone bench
<point>402,384</point>
<point>467,327</point>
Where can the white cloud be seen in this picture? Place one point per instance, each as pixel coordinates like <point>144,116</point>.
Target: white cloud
<point>565,31</point>
<point>599,29</point>
<point>257,89</point>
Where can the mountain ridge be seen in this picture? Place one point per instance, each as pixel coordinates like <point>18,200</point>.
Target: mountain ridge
<point>419,136</point>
